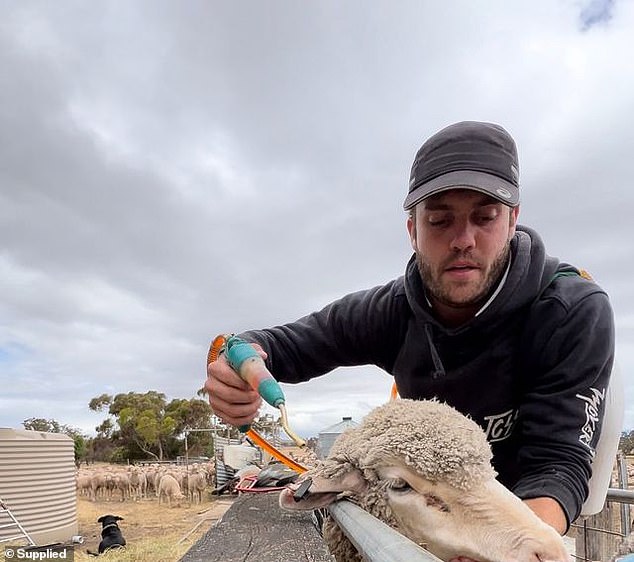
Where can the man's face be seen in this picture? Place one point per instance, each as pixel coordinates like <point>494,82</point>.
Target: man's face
<point>461,239</point>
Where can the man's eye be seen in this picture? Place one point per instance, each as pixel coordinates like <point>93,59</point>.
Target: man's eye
<point>484,219</point>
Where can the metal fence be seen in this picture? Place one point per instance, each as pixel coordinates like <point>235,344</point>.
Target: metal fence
<point>597,537</point>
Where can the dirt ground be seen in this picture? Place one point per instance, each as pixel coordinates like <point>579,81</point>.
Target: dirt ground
<point>152,533</point>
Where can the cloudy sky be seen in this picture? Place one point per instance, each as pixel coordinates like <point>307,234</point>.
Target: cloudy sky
<point>172,170</point>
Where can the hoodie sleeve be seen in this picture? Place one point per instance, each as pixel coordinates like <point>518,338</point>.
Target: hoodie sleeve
<point>560,418</point>
<point>357,329</point>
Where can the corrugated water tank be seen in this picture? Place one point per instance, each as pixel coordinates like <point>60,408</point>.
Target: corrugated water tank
<point>37,483</point>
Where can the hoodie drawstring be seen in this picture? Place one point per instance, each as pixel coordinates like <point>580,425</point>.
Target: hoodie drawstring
<point>439,369</point>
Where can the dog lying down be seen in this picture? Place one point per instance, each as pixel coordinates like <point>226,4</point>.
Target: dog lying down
<point>111,536</point>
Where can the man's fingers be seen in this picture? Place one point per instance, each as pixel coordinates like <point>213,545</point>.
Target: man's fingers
<point>260,350</point>
<point>237,416</point>
<point>230,397</point>
<point>223,373</point>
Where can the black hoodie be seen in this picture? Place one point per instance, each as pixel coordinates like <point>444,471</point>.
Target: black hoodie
<point>531,368</point>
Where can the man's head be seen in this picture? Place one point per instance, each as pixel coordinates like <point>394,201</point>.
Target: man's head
<point>463,204</point>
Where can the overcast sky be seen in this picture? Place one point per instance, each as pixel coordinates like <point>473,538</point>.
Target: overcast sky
<point>172,170</point>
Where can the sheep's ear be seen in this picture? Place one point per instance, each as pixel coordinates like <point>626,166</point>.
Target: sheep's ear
<point>324,491</point>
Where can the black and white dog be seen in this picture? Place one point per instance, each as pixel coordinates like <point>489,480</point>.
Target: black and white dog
<point>111,536</point>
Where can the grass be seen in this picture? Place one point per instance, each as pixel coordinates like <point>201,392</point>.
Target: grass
<point>152,533</point>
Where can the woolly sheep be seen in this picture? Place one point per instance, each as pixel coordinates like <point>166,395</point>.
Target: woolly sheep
<point>425,469</point>
<point>196,485</point>
<point>169,488</point>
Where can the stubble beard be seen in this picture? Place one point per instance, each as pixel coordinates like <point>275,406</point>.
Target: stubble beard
<point>443,293</point>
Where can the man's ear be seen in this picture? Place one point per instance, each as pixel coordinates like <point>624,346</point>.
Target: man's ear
<point>513,215</point>
<point>324,491</point>
<point>411,229</point>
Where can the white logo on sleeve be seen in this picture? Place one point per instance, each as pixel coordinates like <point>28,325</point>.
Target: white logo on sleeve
<point>592,405</point>
<point>500,426</point>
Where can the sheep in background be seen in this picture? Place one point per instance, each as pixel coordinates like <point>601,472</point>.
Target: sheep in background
<point>138,483</point>
<point>425,469</point>
<point>169,488</point>
<point>196,485</point>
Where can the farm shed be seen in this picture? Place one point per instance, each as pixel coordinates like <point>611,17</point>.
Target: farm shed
<point>327,436</point>
<point>37,483</point>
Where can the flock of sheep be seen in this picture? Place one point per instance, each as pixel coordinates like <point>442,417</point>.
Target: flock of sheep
<point>170,483</point>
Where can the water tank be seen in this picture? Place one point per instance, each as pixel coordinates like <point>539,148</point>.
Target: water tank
<point>327,436</point>
<point>37,484</point>
<point>239,456</point>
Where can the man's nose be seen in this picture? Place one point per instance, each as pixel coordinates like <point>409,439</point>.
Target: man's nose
<point>463,236</point>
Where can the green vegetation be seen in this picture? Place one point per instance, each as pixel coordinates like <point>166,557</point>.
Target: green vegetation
<point>138,426</point>
<point>626,443</point>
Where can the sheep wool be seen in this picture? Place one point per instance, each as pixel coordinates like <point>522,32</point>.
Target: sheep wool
<point>437,441</point>
<point>433,438</point>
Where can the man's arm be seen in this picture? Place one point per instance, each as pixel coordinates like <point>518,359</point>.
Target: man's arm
<point>567,378</point>
<point>549,511</point>
<point>357,329</point>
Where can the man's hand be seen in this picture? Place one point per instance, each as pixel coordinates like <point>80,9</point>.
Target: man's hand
<point>231,398</point>
<point>549,511</point>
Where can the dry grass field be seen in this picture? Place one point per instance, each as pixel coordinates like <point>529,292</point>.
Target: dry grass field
<point>152,533</point>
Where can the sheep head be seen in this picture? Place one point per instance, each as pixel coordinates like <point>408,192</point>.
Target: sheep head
<point>425,469</point>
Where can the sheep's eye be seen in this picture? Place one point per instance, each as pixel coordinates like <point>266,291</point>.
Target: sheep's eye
<point>399,485</point>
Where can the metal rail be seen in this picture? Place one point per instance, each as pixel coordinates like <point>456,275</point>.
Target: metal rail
<point>618,495</point>
<point>376,541</point>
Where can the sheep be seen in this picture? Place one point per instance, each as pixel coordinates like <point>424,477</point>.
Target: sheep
<point>122,483</point>
<point>170,488</point>
<point>84,484</point>
<point>425,469</point>
<point>196,485</point>
<point>98,484</point>
<point>138,483</point>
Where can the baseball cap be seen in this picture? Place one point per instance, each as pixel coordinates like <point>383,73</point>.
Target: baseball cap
<point>467,155</point>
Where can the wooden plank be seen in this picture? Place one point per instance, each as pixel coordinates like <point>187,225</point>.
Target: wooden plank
<point>256,529</point>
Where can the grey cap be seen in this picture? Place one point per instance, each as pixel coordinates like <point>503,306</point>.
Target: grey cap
<point>468,155</point>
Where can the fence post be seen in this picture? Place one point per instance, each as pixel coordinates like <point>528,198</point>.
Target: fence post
<point>626,522</point>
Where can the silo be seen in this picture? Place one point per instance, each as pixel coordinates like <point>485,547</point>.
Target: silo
<point>37,484</point>
<point>328,436</point>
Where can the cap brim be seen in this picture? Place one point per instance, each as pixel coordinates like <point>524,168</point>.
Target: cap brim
<point>488,184</point>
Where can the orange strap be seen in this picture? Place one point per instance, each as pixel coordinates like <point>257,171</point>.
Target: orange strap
<point>214,351</point>
<point>394,391</point>
<point>264,444</point>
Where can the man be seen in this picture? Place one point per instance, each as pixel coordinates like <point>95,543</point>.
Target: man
<point>482,319</point>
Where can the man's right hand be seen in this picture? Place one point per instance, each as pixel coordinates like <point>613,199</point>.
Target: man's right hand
<point>231,398</point>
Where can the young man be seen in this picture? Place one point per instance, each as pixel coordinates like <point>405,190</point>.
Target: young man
<point>482,319</point>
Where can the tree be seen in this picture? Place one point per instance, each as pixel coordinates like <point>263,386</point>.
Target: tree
<point>626,444</point>
<point>147,424</point>
<point>53,426</point>
<point>40,424</point>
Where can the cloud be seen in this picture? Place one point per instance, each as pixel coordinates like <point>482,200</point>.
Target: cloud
<point>596,12</point>
<point>172,171</point>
